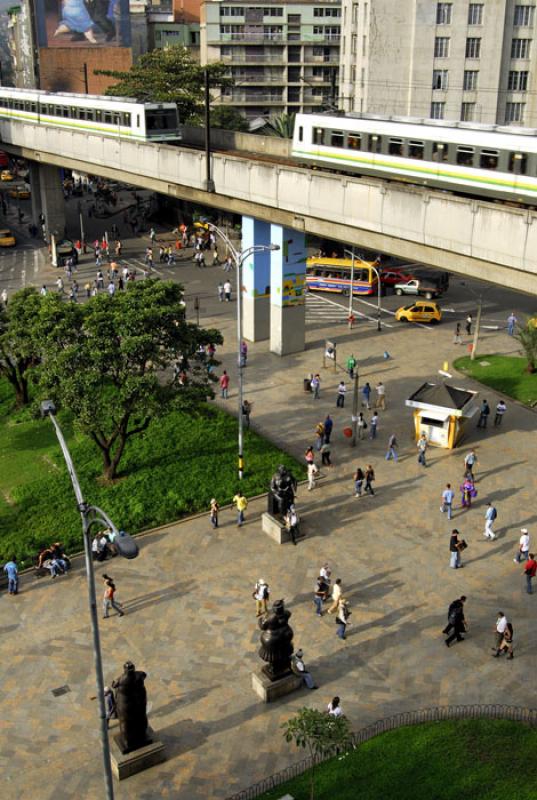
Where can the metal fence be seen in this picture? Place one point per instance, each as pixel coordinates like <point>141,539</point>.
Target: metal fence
<point>435,714</point>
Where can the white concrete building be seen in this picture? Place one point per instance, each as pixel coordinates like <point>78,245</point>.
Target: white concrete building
<point>458,60</point>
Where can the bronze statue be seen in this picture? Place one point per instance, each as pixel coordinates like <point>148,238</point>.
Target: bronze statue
<point>282,491</point>
<point>276,641</point>
<point>131,702</point>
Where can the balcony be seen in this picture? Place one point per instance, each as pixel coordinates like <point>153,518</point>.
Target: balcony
<point>250,38</point>
<point>254,58</point>
<point>243,98</point>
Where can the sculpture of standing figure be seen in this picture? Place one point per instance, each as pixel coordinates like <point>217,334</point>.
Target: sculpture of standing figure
<point>276,641</point>
<point>131,702</point>
<point>283,487</point>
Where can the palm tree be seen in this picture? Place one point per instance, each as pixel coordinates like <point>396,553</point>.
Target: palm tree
<point>282,125</point>
<point>527,336</point>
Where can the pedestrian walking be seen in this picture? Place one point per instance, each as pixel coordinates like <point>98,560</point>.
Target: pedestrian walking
<point>351,364</point>
<point>484,412</point>
<point>361,425</point>
<point>320,594</point>
<point>299,668</point>
<point>468,324</point>
<point>215,508</point>
<point>336,595</point>
<point>328,425</point>
<point>373,423</point>
<point>291,523</point>
<point>447,501</point>
<point>501,408</point>
<point>152,235</point>
<point>490,516</point>
<point>456,621</point>
<point>529,571</point>
<point>369,478</point>
<point>224,385</point>
<point>342,618</point>
<point>220,290</point>
<point>109,705</point>
<point>470,461</point>
<point>341,389</point>
<point>456,546</point>
<point>511,322</point>
<point>12,572</point>
<point>457,338</point>
<point>523,546</point>
<point>309,456</point>
<point>227,291</point>
<point>313,471</point>
<point>59,286</point>
<point>242,504</point>
<point>111,288</point>
<point>506,645</point>
<point>325,454</point>
<point>108,597</point>
<point>380,402</point>
<point>261,595</point>
<point>315,385</point>
<point>3,295</point>
<point>358,478</point>
<point>325,572</point>
<point>468,492</point>
<point>499,630</point>
<point>334,708</point>
<point>319,435</point>
<point>392,448</point>
<point>422,447</point>
<point>366,395</point>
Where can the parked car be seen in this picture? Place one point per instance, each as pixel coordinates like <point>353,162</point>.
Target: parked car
<point>426,289</point>
<point>6,238</point>
<point>420,311</point>
<point>392,275</point>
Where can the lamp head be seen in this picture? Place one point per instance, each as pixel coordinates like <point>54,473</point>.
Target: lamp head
<point>274,247</point>
<point>126,545</point>
<point>47,408</point>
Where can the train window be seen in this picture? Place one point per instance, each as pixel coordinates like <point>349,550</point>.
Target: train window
<point>337,138</point>
<point>375,143</point>
<point>33,107</point>
<point>98,115</point>
<point>115,119</point>
<point>66,112</point>
<point>161,120</point>
<point>126,119</point>
<point>81,113</point>
<point>137,120</point>
<point>518,163</point>
<point>354,141</point>
<point>300,133</point>
<point>318,136</point>
<point>465,156</point>
<point>395,147</point>
<point>90,114</point>
<point>108,117</point>
<point>489,159</point>
<point>415,149</point>
<point>26,105</point>
<point>440,151</point>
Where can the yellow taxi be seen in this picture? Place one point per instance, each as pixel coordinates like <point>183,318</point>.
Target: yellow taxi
<point>420,311</point>
<point>6,175</point>
<point>6,238</point>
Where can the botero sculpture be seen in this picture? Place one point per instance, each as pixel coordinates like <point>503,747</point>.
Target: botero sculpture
<point>283,487</point>
<point>131,703</point>
<point>276,642</point>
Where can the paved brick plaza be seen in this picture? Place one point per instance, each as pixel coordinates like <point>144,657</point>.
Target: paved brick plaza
<point>191,620</point>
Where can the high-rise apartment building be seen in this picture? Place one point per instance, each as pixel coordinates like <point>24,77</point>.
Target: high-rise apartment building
<point>284,57</point>
<point>457,60</point>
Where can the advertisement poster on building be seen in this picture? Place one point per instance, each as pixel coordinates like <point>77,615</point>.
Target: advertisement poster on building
<point>82,23</point>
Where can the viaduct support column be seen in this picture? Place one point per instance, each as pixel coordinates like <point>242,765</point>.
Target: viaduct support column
<point>52,201</point>
<point>287,301</point>
<point>256,281</point>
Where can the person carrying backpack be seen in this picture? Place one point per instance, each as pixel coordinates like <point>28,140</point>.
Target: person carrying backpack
<point>261,595</point>
<point>490,516</point>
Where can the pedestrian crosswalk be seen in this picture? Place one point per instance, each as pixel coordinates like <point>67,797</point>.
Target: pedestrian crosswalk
<point>320,310</point>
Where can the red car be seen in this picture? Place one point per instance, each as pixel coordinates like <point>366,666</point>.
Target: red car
<point>392,275</point>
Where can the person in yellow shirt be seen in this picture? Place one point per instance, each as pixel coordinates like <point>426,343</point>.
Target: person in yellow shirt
<point>242,504</point>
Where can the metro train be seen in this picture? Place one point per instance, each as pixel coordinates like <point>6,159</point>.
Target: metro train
<point>466,158</point>
<point>121,117</point>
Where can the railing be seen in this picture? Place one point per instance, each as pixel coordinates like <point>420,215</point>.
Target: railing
<point>236,58</point>
<point>435,714</point>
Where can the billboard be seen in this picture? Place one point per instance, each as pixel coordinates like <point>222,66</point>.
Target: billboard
<point>86,23</point>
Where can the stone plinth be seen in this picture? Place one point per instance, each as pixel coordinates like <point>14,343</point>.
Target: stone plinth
<point>268,690</point>
<point>277,530</point>
<point>123,766</point>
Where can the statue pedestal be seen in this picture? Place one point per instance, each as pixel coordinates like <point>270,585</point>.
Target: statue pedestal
<point>276,529</point>
<point>268,690</point>
<point>123,766</point>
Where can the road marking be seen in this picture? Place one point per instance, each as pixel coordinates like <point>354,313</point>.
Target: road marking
<point>345,311</point>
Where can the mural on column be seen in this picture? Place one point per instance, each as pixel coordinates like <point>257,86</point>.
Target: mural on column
<point>294,269</point>
<point>256,268</point>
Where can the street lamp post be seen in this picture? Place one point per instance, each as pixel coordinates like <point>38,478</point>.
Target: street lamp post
<point>127,547</point>
<point>351,293</point>
<point>239,257</point>
<point>377,273</point>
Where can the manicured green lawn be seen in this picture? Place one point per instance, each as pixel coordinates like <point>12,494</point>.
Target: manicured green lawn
<point>174,469</point>
<point>463,760</point>
<point>507,374</point>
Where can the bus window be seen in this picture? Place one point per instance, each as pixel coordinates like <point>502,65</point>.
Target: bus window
<point>517,163</point>
<point>488,159</point>
<point>465,156</point>
<point>337,139</point>
<point>318,136</point>
<point>354,141</point>
<point>440,151</point>
<point>300,133</point>
<point>415,149</point>
<point>375,143</point>
<point>395,147</point>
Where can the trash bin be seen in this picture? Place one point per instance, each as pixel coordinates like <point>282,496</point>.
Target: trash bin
<point>307,384</point>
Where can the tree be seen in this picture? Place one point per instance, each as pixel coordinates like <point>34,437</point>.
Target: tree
<point>282,125</point>
<point>169,76</point>
<point>320,733</point>
<point>18,343</point>
<point>110,362</point>
<point>527,336</point>
<point>228,118</point>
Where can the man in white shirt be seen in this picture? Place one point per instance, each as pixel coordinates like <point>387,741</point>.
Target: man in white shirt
<point>336,594</point>
<point>501,625</point>
<point>227,291</point>
<point>447,500</point>
<point>490,516</point>
<point>523,546</point>
<point>381,396</point>
<point>341,389</point>
<point>261,595</point>
<point>501,408</point>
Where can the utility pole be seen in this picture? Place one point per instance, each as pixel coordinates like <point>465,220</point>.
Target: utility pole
<point>354,407</point>
<point>86,81</point>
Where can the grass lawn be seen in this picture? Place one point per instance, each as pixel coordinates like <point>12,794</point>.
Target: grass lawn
<point>171,470</point>
<point>459,760</point>
<point>507,374</point>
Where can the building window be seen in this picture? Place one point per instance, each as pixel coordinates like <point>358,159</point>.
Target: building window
<point>443,13</point>
<point>326,12</point>
<point>475,14</point>
<point>524,16</point>
<point>231,11</point>
<point>437,110</point>
<point>520,48</point>
<point>441,47</point>
<point>473,48</point>
<point>355,7</point>
<point>514,112</point>
<point>467,112</point>
<point>470,80</point>
<point>518,81</point>
<point>354,42</point>
<point>273,12</point>
<point>231,29</point>
<point>353,73</point>
<point>440,79</point>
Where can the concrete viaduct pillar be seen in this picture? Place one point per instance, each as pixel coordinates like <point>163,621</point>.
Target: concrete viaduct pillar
<point>256,281</point>
<point>48,199</point>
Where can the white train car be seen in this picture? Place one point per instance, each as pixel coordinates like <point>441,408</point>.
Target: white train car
<point>470,159</point>
<point>120,117</point>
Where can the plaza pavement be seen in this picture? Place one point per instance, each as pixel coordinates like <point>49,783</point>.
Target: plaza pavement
<point>190,621</point>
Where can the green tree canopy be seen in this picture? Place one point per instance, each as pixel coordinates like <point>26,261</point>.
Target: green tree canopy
<point>110,362</point>
<point>170,75</point>
<point>18,344</point>
<point>228,118</point>
<point>527,336</point>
